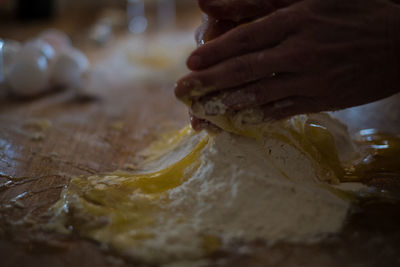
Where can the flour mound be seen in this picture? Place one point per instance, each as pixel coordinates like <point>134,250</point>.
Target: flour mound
<point>243,191</point>
<point>239,192</point>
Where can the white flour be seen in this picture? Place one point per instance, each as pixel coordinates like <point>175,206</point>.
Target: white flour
<point>240,193</point>
<point>242,190</point>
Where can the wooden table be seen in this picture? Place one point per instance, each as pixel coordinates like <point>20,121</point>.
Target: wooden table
<point>84,137</point>
<point>46,141</point>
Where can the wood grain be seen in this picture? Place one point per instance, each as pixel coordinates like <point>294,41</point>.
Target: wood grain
<point>85,137</point>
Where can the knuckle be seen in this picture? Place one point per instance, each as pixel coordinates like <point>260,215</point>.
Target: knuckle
<point>289,17</point>
<point>261,57</point>
<point>242,69</point>
<point>301,55</point>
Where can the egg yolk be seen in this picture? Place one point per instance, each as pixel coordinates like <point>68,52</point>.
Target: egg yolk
<point>110,206</point>
<point>120,208</point>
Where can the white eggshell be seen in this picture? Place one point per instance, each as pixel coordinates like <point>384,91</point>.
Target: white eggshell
<point>68,68</point>
<point>28,75</point>
<point>9,52</point>
<point>57,39</point>
<point>37,48</point>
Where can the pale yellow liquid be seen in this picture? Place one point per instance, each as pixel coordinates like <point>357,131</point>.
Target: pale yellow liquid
<point>119,208</point>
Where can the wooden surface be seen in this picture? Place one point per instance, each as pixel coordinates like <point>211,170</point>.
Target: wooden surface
<point>87,137</point>
<point>84,138</point>
<point>46,141</point>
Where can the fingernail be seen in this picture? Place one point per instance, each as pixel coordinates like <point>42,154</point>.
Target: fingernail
<point>194,62</point>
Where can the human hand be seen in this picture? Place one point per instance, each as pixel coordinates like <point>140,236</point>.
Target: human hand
<point>222,16</point>
<point>311,56</point>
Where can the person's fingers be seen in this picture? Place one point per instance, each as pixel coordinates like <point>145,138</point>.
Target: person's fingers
<point>197,123</point>
<point>201,124</point>
<point>291,106</point>
<point>211,29</point>
<point>266,32</point>
<point>237,10</point>
<point>268,90</point>
<point>235,72</point>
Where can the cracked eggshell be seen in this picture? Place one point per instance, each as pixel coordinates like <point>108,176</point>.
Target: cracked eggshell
<point>69,67</point>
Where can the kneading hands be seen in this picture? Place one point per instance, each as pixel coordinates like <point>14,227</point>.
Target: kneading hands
<point>289,57</point>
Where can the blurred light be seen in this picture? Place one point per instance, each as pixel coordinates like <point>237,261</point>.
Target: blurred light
<point>101,32</point>
<point>368,132</point>
<point>42,63</point>
<point>318,126</point>
<point>138,25</point>
<point>137,22</point>
<point>47,50</point>
<point>380,146</point>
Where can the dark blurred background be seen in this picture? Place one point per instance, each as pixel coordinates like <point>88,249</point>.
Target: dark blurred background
<point>22,19</point>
